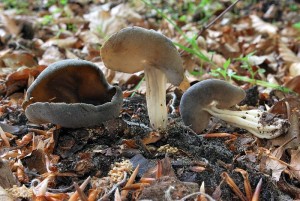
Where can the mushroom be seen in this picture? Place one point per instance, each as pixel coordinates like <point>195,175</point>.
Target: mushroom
<point>72,93</point>
<point>212,97</point>
<point>135,49</point>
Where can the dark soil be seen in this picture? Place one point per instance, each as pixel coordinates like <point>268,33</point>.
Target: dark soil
<point>78,151</point>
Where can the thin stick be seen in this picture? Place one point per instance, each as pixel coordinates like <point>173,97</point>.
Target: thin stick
<point>211,23</point>
<point>217,18</point>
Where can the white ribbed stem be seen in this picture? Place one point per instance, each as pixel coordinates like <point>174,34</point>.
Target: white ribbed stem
<point>249,120</point>
<point>156,97</point>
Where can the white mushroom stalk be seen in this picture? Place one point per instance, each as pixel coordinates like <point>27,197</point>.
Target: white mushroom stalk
<point>251,120</point>
<point>156,97</point>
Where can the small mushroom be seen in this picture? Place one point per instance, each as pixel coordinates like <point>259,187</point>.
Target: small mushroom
<point>72,93</point>
<point>211,98</point>
<point>135,49</point>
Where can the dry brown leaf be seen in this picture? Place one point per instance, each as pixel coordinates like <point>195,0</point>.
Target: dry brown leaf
<point>272,163</point>
<point>293,135</point>
<point>103,23</point>
<point>290,32</point>
<point>287,55</point>
<point>36,160</point>
<point>62,43</point>
<point>185,84</point>
<point>257,60</point>
<point>295,163</point>
<point>294,84</point>
<point>19,79</point>
<point>120,78</point>
<point>263,27</point>
<point>7,179</point>
<point>69,20</point>
<point>88,37</point>
<point>18,59</point>
<point>123,11</point>
<point>281,108</point>
<point>51,55</point>
<point>294,69</point>
<point>166,170</point>
<point>10,24</point>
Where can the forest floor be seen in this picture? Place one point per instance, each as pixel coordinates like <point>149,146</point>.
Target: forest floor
<point>254,45</point>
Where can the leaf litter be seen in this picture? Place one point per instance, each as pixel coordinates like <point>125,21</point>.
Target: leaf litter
<point>125,158</point>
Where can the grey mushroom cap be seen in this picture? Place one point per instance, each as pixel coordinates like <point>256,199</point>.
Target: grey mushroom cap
<point>134,48</point>
<point>72,93</point>
<point>75,115</point>
<point>201,95</point>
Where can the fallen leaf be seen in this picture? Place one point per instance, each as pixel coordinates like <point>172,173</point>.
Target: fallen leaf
<point>19,79</point>
<point>294,83</point>
<point>51,55</point>
<point>295,163</point>
<point>123,10</point>
<point>294,69</point>
<point>286,54</point>
<point>7,179</point>
<point>293,135</point>
<point>272,163</point>
<point>19,59</point>
<point>10,24</point>
<point>62,43</point>
<point>261,26</point>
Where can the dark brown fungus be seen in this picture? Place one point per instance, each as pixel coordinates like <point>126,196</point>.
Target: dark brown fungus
<point>72,93</point>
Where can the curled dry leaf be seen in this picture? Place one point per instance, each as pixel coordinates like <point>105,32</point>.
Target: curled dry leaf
<point>18,59</point>
<point>7,179</point>
<point>51,55</point>
<point>273,163</point>
<point>290,58</point>
<point>293,134</point>
<point>123,11</point>
<point>10,24</point>
<point>103,20</point>
<point>62,43</point>
<point>19,79</point>
<point>294,83</point>
<point>286,54</point>
<point>36,161</point>
<point>294,69</point>
<point>263,27</point>
<point>295,164</point>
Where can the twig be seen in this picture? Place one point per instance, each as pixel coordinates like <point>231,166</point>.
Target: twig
<point>75,195</point>
<point>217,18</point>
<point>211,23</point>
<point>130,181</point>
<point>189,129</point>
